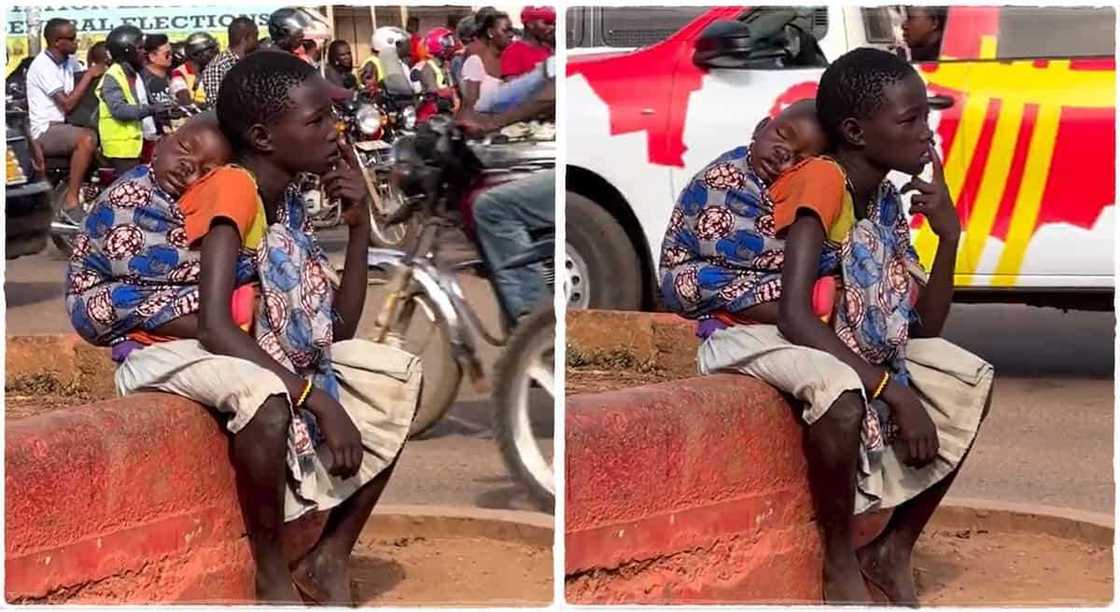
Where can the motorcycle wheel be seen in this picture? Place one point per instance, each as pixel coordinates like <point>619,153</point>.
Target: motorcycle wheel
<point>527,363</point>
<point>425,335</point>
<point>399,235</point>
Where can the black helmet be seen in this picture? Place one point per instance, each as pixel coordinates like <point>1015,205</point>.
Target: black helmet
<point>123,42</point>
<point>178,53</point>
<point>284,24</point>
<point>198,44</point>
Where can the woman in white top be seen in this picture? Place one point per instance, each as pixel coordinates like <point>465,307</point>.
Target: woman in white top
<point>482,71</point>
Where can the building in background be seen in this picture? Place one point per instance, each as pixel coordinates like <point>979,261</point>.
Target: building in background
<point>352,23</point>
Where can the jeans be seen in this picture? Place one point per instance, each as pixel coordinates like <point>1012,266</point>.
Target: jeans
<point>504,216</point>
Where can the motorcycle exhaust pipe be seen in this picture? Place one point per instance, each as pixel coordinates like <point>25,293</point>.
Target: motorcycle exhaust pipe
<point>59,228</point>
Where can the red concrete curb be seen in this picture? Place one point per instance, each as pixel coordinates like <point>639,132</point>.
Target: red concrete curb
<point>690,491</point>
<point>127,501</point>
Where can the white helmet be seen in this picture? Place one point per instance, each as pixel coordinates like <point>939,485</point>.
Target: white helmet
<point>387,38</point>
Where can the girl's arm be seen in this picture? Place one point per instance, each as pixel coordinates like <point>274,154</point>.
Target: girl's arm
<point>936,297</point>
<point>346,184</point>
<point>933,201</point>
<point>796,320</point>
<point>216,330</point>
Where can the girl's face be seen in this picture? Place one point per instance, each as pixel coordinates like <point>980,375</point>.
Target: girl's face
<point>161,57</point>
<point>304,138</point>
<point>898,136</point>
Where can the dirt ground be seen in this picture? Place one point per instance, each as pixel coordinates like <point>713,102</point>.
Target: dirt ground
<point>451,572</point>
<point>977,567</point>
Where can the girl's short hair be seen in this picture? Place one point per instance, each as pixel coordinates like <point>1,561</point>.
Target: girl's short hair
<point>854,86</point>
<point>257,90</point>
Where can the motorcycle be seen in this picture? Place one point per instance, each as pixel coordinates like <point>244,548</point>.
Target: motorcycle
<point>425,311</point>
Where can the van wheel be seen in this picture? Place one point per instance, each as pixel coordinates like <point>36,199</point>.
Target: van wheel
<point>603,268</point>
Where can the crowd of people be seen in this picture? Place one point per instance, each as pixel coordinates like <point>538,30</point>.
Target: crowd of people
<point>137,87</point>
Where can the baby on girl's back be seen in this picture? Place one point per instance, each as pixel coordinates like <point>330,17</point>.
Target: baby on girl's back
<point>133,278</point>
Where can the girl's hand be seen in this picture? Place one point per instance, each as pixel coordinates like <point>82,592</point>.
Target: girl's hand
<point>917,444</point>
<point>342,437</point>
<point>345,183</point>
<point>932,200</point>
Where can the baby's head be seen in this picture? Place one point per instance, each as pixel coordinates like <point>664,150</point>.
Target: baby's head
<point>780,143</point>
<point>189,153</point>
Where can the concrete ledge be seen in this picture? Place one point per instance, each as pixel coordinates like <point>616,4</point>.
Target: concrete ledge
<point>690,491</point>
<point>127,501</point>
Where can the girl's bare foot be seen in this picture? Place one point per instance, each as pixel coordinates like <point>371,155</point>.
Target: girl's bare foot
<point>887,566</point>
<point>276,588</point>
<point>843,583</point>
<point>324,578</point>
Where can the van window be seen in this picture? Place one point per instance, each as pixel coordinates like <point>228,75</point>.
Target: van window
<point>575,18</point>
<point>1027,32</point>
<point>639,26</point>
<point>879,23</point>
<point>813,18</point>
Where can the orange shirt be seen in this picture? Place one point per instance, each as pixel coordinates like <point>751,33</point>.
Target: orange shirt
<point>228,192</point>
<point>816,184</point>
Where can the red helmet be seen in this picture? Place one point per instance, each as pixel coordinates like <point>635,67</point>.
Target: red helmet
<point>440,42</point>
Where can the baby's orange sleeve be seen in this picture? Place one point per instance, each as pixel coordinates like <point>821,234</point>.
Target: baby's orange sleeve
<point>815,184</point>
<point>227,192</point>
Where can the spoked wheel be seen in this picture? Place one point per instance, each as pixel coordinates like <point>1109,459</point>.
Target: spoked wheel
<point>524,388</point>
<point>423,333</point>
<point>398,235</point>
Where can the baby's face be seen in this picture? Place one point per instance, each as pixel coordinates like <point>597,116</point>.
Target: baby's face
<point>785,141</point>
<point>186,155</point>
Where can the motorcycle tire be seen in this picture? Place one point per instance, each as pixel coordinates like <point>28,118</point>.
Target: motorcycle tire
<point>535,336</point>
<point>399,236</point>
<point>442,374</point>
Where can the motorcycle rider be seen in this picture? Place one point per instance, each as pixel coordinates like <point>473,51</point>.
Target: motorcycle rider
<point>242,33</point>
<point>505,215</point>
<point>290,28</point>
<point>85,115</point>
<point>51,95</point>
<point>156,73</point>
<point>434,78</point>
<point>125,114</point>
<point>537,45</point>
<point>186,83</point>
<point>385,69</point>
<point>340,65</point>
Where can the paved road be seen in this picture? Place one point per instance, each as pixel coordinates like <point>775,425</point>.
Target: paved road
<point>456,464</point>
<point>1048,439</point>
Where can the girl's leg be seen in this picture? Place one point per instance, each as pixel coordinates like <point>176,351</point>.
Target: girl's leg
<point>258,456</point>
<point>887,559</point>
<point>324,572</point>
<point>833,453</point>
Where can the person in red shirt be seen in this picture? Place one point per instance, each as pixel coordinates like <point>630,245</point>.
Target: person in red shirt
<point>539,42</point>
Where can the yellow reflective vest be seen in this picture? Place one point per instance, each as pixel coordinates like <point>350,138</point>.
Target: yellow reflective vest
<point>119,139</point>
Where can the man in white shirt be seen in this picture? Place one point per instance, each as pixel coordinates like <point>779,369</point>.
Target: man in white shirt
<point>52,95</point>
